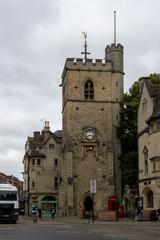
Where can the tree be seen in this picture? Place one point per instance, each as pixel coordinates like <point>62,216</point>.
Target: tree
<point>127,132</point>
<point>155,78</point>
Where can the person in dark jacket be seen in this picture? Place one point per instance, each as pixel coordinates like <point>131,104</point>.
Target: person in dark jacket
<point>53,211</point>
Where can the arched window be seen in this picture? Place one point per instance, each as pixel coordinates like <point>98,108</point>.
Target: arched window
<point>33,184</point>
<point>150,199</point>
<point>89,90</point>
<point>145,152</point>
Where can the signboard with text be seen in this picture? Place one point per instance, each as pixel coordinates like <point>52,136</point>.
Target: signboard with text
<point>93,185</point>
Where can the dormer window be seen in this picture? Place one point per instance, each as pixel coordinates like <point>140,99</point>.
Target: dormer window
<point>89,90</point>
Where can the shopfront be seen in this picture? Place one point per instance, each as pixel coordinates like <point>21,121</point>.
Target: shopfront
<point>47,204</point>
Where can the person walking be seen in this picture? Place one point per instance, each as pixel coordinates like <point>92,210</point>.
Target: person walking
<point>53,211</point>
<point>34,214</point>
<point>39,212</point>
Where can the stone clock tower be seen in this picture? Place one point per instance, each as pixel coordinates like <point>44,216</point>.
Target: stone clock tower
<point>91,91</point>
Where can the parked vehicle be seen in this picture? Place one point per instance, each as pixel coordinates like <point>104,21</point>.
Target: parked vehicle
<point>8,203</point>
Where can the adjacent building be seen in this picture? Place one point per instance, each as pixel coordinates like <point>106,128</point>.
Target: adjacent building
<point>149,145</point>
<point>42,170</point>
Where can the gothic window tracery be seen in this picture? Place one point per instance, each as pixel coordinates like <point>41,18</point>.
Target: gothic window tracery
<point>89,90</point>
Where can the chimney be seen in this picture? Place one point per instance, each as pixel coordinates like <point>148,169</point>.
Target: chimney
<point>36,134</point>
<point>46,126</point>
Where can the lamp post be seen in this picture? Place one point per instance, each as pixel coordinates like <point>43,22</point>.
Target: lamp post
<point>93,207</point>
<point>93,191</point>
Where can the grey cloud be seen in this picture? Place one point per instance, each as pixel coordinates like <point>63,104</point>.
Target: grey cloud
<point>36,36</point>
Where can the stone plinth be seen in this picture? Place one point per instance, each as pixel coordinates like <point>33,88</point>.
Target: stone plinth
<point>107,216</point>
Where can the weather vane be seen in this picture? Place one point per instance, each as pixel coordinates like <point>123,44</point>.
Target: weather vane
<point>85,45</point>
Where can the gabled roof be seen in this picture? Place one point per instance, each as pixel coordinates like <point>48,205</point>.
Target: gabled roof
<point>58,136</point>
<point>58,133</point>
<point>37,142</point>
<point>154,92</point>
<point>156,110</point>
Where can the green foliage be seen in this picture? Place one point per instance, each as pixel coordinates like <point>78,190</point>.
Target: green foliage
<point>127,132</point>
<point>129,168</point>
<point>155,78</point>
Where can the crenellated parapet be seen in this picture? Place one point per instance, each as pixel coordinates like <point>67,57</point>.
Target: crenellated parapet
<point>80,64</point>
<point>114,47</point>
<point>114,53</point>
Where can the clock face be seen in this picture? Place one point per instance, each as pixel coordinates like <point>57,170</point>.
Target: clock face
<point>89,134</point>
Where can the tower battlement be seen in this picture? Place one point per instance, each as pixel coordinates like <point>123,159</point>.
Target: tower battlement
<point>87,65</point>
<point>114,53</point>
<point>114,47</point>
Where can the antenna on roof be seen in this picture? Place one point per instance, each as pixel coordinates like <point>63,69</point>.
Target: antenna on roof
<point>85,45</point>
<point>115,27</point>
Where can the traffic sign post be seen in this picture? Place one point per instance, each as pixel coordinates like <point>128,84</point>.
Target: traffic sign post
<point>93,191</point>
<point>93,185</point>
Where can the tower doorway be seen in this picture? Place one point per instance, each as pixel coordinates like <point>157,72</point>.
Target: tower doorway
<point>88,204</point>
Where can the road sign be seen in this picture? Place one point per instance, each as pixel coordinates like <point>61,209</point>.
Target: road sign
<point>93,185</point>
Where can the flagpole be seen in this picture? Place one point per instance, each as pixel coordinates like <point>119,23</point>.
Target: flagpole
<point>115,27</point>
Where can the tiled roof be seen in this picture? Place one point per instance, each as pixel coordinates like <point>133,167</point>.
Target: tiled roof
<point>154,91</point>
<point>58,133</point>
<point>37,142</point>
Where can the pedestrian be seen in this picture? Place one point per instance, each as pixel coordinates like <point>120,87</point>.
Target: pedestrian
<point>22,212</point>
<point>53,211</point>
<point>34,214</point>
<point>39,212</point>
<point>88,215</point>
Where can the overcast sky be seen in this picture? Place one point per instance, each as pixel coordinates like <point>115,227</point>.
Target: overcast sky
<point>36,36</point>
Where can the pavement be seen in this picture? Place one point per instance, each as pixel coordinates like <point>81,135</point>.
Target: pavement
<point>124,229</point>
<point>77,220</point>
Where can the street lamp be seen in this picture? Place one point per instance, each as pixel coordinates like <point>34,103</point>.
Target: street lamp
<point>93,191</point>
